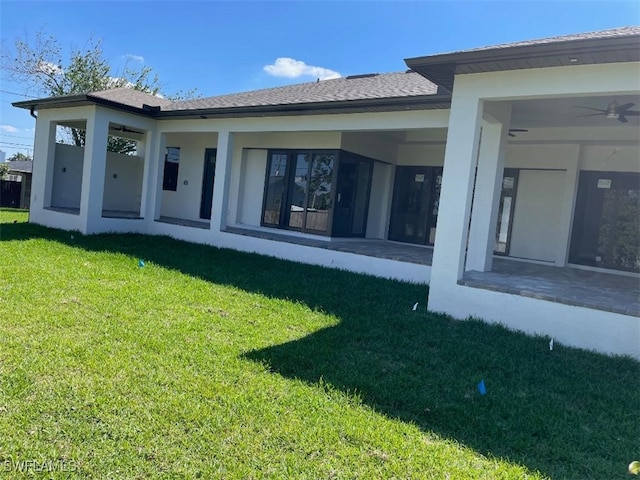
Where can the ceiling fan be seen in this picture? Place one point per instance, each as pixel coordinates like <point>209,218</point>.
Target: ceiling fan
<point>613,110</point>
<point>513,131</point>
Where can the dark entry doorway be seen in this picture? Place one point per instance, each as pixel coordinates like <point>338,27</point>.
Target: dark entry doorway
<point>352,198</point>
<point>208,177</point>
<point>414,209</point>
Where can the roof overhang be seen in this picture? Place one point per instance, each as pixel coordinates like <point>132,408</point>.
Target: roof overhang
<point>80,100</point>
<point>441,69</point>
<point>423,102</point>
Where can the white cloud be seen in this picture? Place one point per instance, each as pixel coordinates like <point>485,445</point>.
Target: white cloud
<point>50,68</point>
<point>135,58</point>
<point>292,68</point>
<point>119,82</point>
<point>9,129</point>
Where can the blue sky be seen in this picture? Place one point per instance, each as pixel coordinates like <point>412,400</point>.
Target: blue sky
<point>231,46</point>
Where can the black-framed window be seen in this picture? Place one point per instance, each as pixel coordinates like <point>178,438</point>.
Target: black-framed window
<point>171,164</point>
<point>299,190</point>
<point>505,212</point>
<point>606,223</point>
<point>415,204</point>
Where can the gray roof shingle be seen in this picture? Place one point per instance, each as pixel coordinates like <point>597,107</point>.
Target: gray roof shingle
<point>133,98</point>
<point>376,86</point>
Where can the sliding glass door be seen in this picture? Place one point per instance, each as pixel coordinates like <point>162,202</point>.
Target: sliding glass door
<point>298,192</point>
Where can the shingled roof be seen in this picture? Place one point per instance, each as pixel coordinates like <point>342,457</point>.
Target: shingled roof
<point>606,46</point>
<point>132,98</point>
<point>371,92</point>
<point>359,87</point>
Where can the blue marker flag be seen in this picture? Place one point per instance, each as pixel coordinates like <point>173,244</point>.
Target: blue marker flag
<point>141,263</point>
<point>481,388</point>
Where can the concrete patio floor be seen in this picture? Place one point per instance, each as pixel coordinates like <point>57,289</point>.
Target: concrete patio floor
<point>572,286</point>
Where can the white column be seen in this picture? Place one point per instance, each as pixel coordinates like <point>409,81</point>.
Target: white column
<point>144,149</point>
<point>486,201</point>
<point>156,175</point>
<point>93,171</point>
<point>455,197</point>
<point>224,159</point>
<point>44,155</point>
<point>568,207</point>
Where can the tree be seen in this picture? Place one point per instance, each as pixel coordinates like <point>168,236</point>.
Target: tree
<point>19,157</point>
<point>40,65</point>
<point>4,169</point>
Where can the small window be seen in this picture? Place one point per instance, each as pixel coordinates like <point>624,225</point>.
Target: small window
<point>171,162</point>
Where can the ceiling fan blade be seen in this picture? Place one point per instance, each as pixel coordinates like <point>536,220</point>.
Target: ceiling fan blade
<point>589,108</point>
<point>518,130</point>
<point>626,106</point>
<point>630,112</point>
<point>511,134</point>
<point>621,118</point>
<point>590,115</point>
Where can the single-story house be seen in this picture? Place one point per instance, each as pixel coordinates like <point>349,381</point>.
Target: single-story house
<point>506,177</point>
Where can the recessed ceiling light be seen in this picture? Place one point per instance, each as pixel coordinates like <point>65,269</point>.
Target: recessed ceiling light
<point>573,59</point>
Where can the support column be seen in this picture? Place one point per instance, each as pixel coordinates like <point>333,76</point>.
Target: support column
<point>44,156</point>
<point>568,207</point>
<point>224,160</point>
<point>486,201</point>
<point>455,197</point>
<point>156,176</point>
<point>144,149</point>
<point>93,171</point>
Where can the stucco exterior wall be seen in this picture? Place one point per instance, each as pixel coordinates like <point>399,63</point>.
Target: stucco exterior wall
<point>423,155</point>
<point>185,201</point>
<point>123,183</point>
<point>380,201</point>
<point>251,192</point>
<point>67,176</point>
<point>376,145</point>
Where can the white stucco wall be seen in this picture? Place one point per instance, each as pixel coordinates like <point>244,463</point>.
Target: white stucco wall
<point>573,326</point>
<point>251,191</point>
<point>67,176</point>
<point>380,201</point>
<point>431,155</point>
<point>611,158</point>
<point>376,145</point>
<point>124,191</point>
<point>185,201</point>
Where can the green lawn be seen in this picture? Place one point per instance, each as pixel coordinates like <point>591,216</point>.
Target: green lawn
<point>209,363</point>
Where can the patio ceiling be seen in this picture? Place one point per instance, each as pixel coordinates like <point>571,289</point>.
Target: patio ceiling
<point>565,112</point>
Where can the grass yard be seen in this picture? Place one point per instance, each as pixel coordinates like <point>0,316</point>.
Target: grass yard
<point>210,363</point>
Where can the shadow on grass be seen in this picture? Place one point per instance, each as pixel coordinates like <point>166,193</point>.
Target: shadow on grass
<point>566,412</point>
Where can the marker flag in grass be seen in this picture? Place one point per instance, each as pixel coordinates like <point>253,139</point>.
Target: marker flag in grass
<point>482,388</point>
<point>141,263</point>
<point>551,344</point>
<point>415,307</point>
